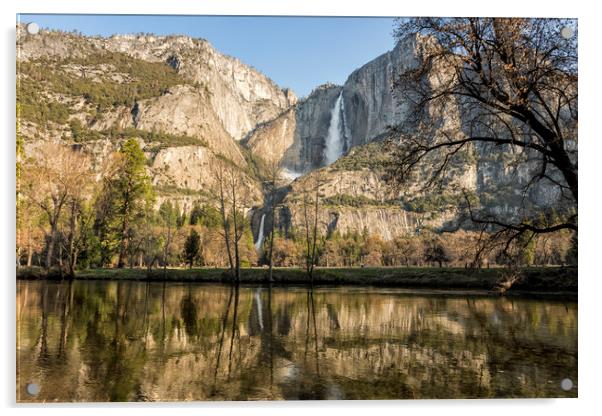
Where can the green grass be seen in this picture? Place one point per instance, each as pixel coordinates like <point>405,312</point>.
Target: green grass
<point>537,279</point>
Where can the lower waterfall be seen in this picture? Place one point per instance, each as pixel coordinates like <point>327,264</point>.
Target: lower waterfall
<point>260,235</point>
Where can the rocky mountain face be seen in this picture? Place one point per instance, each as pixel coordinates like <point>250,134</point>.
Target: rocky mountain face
<point>240,96</point>
<point>188,104</point>
<point>296,139</point>
<point>213,102</point>
<point>368,109</point>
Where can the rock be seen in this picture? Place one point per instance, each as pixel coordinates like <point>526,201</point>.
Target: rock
<point>190,167</point>
<point>296,138</point>
<point>224,104</point>
<point>240,96</point>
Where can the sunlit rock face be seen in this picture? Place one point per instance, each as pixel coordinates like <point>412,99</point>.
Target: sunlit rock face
<point>296,139</point>
<point>241,96</point>
<point>182,110</point>
<point>368,103</point>
<point>226,108</point>
<point>494,174</point>
<point>136,341</point>
<point>189,167</point>
<point>219,101</point>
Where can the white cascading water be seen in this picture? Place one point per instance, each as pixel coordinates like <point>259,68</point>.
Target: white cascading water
<point>334,140</point>
<point>260,236</point>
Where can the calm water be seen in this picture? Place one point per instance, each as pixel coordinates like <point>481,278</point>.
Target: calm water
<point>136,341</point>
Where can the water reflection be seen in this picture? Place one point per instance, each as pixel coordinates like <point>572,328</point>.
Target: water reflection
<point>135,341</point>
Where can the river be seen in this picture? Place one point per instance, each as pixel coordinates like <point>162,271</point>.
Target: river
<point>137,341</point>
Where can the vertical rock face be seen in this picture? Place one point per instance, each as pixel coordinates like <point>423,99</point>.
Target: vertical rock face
<point>312,117</point>
<point>241,96</point>
<point>296,139</point>
<point>182,110</point>
<point>369,108</point>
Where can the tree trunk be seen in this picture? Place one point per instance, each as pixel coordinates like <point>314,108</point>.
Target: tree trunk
<point>29,255</point>
<point>236,234</point>
<point>50,251</point>
<point>122,252</point>
<point>225,224</point>
<point>315,233</point>
<point>166,250</point>
<point>72,263</point>
<point>72,230</point>
<point>272,229</point>
<point>124,229</point>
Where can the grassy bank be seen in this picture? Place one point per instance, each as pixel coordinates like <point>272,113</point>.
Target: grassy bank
<point>536,279</point>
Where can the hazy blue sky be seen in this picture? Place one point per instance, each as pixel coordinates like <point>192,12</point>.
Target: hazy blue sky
<point>296,52</point>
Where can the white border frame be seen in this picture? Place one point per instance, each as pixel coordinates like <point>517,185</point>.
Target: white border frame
<point>590,33</point>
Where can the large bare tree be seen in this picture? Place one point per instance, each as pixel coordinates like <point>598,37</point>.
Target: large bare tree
<point>274,172</point>
<point>231,192</point>
<point>492,85</point>
<point>310,205</point>
<point>55,176</point>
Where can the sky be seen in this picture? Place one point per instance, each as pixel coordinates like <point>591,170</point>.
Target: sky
<point>296,52</point>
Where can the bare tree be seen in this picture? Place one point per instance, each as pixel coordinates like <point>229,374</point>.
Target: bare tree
<point>218,169</point>
<point>311,210</point>
<point>231,194</point>
<point>237,218</point>
<point>491,85</point>
<point>75,210</point>
<point>274,173</point>
<point>54,176</point>
<point>168,215</point>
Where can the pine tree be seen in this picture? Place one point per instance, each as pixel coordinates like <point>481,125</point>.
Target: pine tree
<point>192,247</point>
<point>133,192</point>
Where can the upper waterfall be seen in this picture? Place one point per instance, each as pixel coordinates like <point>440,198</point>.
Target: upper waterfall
<point>335,141</point>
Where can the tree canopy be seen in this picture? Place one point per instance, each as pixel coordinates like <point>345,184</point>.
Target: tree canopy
<point>492,85</point>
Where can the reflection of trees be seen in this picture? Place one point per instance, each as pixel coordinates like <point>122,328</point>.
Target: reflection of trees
<point>234,329</point>
<point>146,341</point>
<point>189,314</point>
<point>65,321</point>
<point>43,339</point>
<point>221,339</point>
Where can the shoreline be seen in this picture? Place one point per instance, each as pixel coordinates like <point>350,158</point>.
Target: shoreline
<point>545,281</point>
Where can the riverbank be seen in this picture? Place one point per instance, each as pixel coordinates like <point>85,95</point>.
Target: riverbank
<point>561,280</point>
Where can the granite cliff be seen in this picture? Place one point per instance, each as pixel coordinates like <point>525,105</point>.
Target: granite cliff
<point>188,104</point>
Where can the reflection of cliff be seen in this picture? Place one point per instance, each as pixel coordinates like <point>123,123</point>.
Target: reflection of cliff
<point>136,341</point>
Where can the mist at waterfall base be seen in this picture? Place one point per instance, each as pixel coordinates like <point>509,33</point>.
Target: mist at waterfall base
<point>260,235</point>
<point>289,174</point>
<point>335,141</point>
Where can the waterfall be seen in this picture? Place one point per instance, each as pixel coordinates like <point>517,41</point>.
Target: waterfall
<point>335,142</point>
<point>260,236</point>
